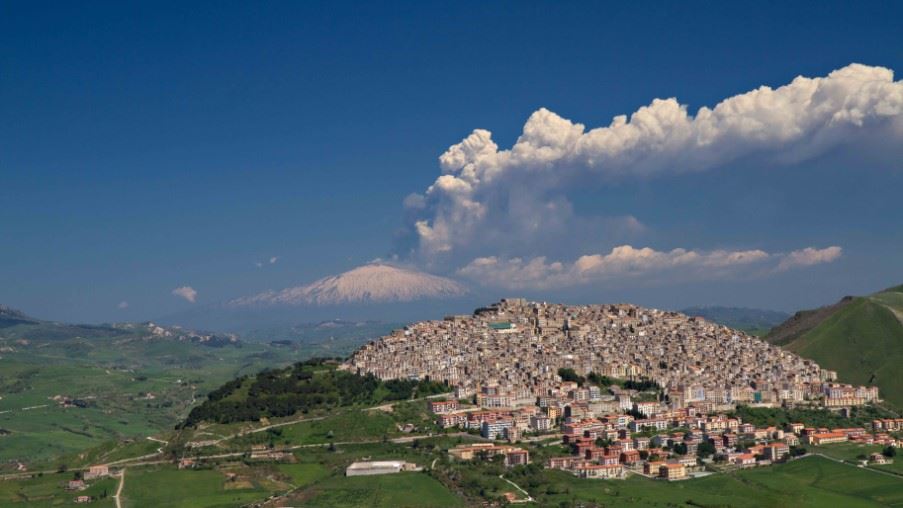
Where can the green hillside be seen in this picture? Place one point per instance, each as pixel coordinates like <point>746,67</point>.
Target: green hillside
<point>65,388</point>
<point>859,337</point>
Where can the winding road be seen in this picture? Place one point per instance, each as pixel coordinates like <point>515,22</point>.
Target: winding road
<point>118,495</point>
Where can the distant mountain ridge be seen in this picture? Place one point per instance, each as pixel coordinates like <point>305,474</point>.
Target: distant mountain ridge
<point>13,317</point>
<point>756,321</point>
<point>15,324</point>
<point>860,337</point>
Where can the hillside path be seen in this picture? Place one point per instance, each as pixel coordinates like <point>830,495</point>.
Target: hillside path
<point>118,494</point>
<point>885,473</point>
<point>529,498</point>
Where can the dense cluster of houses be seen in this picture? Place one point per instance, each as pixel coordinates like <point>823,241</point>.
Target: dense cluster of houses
<point>888,424</point>
<point>611,446</point>
<point>612,434</point>
<point>509,354</point>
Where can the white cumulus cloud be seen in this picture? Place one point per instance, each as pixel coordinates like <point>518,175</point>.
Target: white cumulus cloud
<point>488,196</point>
<point>186,292</point>
<point>271,261</point>
<point>627,261</point>
<point>810,256</point>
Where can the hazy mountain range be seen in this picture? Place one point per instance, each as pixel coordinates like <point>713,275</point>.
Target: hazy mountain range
<point>755,321</point>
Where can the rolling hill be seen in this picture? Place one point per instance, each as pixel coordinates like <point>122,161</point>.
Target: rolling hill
<point>68,387</point>
<point>859,337</point>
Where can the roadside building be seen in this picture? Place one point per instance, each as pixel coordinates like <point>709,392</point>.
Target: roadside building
<point>98,471</point>
<point>672,471</point>
<point>775,451</point>
<point>440,407</point>
<point>370,468</point>
<point>821,438</point>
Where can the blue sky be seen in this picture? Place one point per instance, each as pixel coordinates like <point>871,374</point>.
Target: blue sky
<point>153,146</point>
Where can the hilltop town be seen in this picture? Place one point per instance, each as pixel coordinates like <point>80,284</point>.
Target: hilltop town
<point>627,389</point>
<point>520,402</point>
<point>510,353</point>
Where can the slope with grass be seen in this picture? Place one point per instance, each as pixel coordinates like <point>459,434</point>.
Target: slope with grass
<point>312,385</point>
<point>66,388</point>
<point>315,477</point>
<point>859,337</point>
<point>809,482</point>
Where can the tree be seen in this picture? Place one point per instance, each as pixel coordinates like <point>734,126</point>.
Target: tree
<point>568,374</point>
<point>705,449</point>
<point>889,452</point>
<point>596,379</point>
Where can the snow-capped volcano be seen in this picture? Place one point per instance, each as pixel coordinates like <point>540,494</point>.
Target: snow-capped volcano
<point>371,283</point>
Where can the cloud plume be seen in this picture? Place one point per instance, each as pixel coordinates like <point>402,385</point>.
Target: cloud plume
<point>486,195</point>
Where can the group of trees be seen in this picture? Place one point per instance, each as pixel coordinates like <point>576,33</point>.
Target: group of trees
<point>705,449</point>
<point>569,374</point>
<point>861,416</point>
<point>310,385</point>
<point>641,385</point>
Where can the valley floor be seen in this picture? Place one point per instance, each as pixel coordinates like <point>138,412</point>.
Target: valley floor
<point>228,473</point>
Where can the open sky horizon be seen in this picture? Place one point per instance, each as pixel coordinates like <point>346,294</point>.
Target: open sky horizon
<point>159,157</point>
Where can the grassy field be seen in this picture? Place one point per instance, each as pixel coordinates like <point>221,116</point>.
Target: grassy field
<point>810,482</point>
<point>352,424</point>
<point>48,491</point>
<point>112,381</point>
<point>166,487</point>
<point>403,490</point>
<point>317,479</point>
<point>345,426</point>
<point>302,474</point>
<point>852,452</point>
